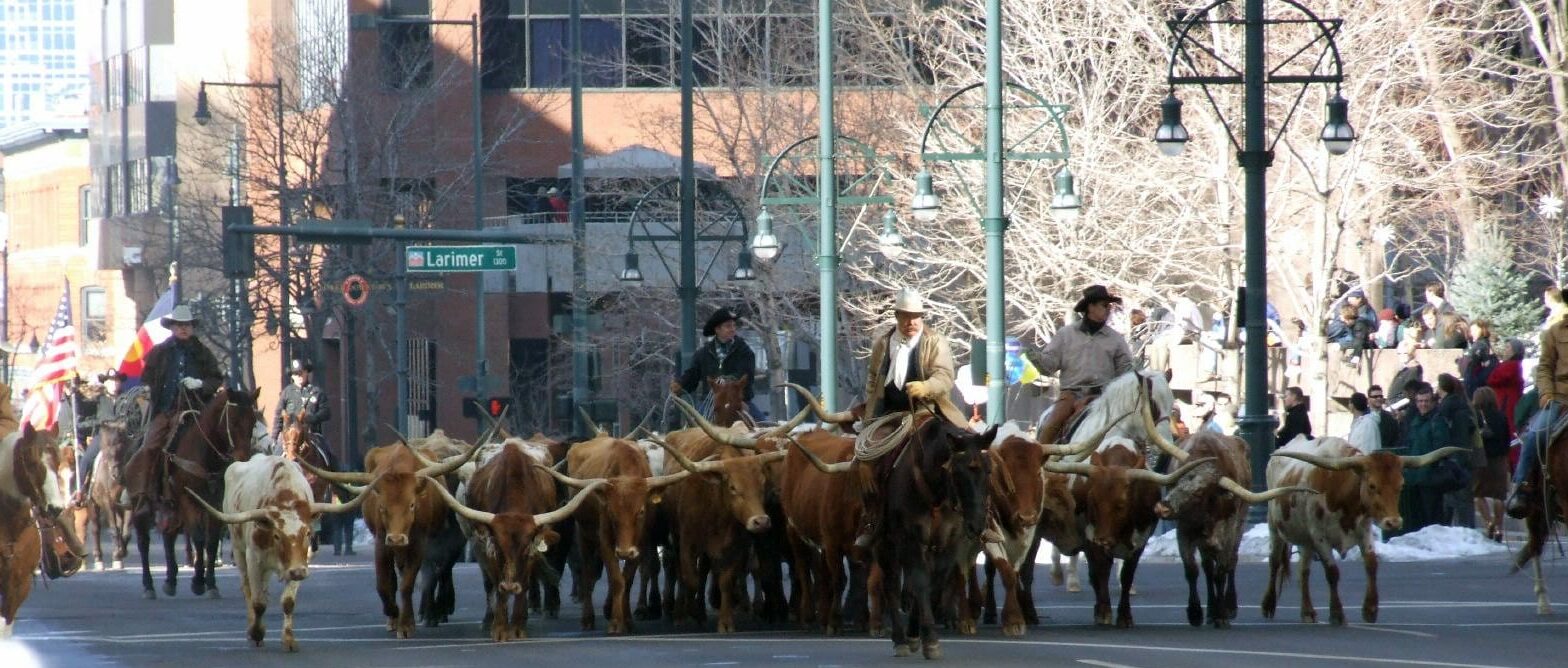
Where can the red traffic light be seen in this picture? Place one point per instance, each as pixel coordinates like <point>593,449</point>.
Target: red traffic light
<point>497,405</point>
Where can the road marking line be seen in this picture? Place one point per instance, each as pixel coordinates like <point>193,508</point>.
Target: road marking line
<point>1104,664</point>
<point>1365,627</point>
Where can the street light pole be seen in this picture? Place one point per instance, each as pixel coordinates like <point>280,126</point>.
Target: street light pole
<point>203,116</point>
<point>1255,154</point>
<point>688,288</point>
<point>995,222</point>
<point>580,389</point>
<point>827,192</point>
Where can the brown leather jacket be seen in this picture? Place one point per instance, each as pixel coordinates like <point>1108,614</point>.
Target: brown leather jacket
<point>1551,374</point>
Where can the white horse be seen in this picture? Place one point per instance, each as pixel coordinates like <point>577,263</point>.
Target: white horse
<point>1119,398</point>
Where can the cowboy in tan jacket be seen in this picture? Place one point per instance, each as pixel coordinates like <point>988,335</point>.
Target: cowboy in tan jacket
<point>911,367</point>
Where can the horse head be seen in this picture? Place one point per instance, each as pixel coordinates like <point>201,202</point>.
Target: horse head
<point>228,421</point>
<point>729,398</point>
<point>33,468</point>
<point>294,434</point>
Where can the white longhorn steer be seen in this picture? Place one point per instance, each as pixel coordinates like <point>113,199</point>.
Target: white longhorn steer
<point>268,502</point>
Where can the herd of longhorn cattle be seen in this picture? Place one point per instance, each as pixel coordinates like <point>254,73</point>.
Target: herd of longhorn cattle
<point>716,507</point>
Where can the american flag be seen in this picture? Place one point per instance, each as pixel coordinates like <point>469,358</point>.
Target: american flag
<point>57,365</point>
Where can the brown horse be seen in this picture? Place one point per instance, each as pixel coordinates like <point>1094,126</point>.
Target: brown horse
<point>729,399</point>
<point>106,493</point>
<point>207,440</point>
<point>300,444</point>
<point>1548,507</point>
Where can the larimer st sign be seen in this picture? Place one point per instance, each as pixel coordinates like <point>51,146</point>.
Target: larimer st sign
<point>462,258</point>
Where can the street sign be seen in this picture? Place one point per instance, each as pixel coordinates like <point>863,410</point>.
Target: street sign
<point>462,258</point>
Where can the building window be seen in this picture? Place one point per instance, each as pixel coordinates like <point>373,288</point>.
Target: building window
<point>504,41</point>
<point>406,49</point>
<point>116,81</point>
<point>95,313</point>
<point>84,208</point>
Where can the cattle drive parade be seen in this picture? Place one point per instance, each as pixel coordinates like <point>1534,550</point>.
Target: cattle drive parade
<point>832,333</point>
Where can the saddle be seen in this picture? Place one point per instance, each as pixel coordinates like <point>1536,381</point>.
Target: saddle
<point>1074,419</point>
<point>58,560</point>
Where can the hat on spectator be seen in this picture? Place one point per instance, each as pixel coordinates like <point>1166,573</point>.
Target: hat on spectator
<point>1387,314</point>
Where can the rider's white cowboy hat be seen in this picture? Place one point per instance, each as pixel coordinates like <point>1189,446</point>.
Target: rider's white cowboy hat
<point>909,301</point>
<point>181,315</point>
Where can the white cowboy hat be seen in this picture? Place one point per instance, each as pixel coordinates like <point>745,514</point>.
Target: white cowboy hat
<point>909,301</point>
<point>181,314</point>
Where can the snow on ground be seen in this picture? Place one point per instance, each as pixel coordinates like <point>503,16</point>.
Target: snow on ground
<point>1429,544</point>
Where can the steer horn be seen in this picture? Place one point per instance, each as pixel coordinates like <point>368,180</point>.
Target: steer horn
<point>496,427</point>
<point>1430,458</point>
<point>323,508</point>
<point>231,518</point>
<point>441,468</point>
<point>632,435</point>
<point>575,483</point>
<point>1071,468</point>
<point>339,477</point>
<point>1082,447</point>
<point>1357,463</point>
<point>1166,479</point>
<point>566,511</point>
<point>840,467</point>
<point>787,427</point>
<point>841,417</point>
<point>715,433</point>
<point>686,462</point>
<point>1260,497</point>
<point>591,424</point>
<point>1146,409</point>
<point>469,514</point>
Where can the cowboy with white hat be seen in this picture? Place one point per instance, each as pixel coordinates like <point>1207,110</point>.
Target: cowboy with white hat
<point>1086,354</point>
<point>911,367</point>
<point>178,366</point>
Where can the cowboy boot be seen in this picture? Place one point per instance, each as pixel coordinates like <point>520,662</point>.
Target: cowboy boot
<point>1522,499</point>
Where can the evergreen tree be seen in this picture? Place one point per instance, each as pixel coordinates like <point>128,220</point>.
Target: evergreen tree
<point>1488,287</point>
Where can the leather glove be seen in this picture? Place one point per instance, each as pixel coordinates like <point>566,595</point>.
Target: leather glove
<point>191,383</point>
<point>917,389</point>
<point>675,387</point>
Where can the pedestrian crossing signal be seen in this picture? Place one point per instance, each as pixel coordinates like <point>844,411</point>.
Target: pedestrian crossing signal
<point>497,405</point>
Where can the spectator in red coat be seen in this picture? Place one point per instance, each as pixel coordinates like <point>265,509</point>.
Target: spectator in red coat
<point>1507,380</point>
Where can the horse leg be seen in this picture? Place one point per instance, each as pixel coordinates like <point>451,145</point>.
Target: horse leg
<point>214,540</point>
<point>1026,584</point>
<point>196,540</point>
<point>171,565</point>
<point>143,546</point>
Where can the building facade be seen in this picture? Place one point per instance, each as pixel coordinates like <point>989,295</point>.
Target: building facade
<point>42,73</point>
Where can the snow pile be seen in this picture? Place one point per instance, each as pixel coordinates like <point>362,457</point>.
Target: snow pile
<point>1429,544</point>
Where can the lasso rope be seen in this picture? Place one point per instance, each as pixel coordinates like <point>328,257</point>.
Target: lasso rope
<point>870,448</point>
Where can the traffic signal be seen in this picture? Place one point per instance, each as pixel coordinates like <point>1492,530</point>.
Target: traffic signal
<point>493,406</point>
<point>239,249</point>
<point>497,405</point>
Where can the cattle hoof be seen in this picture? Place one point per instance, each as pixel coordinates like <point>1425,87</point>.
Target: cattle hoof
<point>877,632</point>
<point>289,645</point>
<point>1369,615</point>
<point>726,627</point>
<point>1056,578</point>
<point>500,634</point>
<point>198,587</point>
<point>1074,587</point>
<point>1102,619</point>
<point>149,594</point>
<point>1013,630</point>
<point>98,566</point>
<point>932,650</point>
<point>1220,623</point>
<point>1309,617</point>
<point>900,651</point>
<point>255,633</point>
<point>1336,617</point>
<point>966,627</point>
<point>118,565</point>
<point>169,589</point>
<point>1195,615</point>
<point>1124,621</point>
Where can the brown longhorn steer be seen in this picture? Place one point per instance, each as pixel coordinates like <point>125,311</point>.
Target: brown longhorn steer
<point>712,513</point>
<point>1356,490</point>
<point>269,507</point>
<point>515,500</point>
<point>823,510</point>
<point>611,525</point>
<point>402,512</point>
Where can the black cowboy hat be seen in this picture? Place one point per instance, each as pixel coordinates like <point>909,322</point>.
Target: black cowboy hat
<point>719,317</point>
<point>297,366</point>
<point>1095,294</point>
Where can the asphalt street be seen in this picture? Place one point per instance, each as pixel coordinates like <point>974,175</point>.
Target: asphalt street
<point>1459,613</point>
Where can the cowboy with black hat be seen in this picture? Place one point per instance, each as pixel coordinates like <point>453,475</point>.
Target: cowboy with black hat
<point>301,396</point>
<point>724,355</point>
<point>181,364</point>
<point>112,406</point>
<point>1087,354</point>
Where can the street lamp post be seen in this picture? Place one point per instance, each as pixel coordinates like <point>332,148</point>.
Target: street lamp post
<point>481,357</point>
<point>203,116</point>
<point>1255,155</point>
<point>1064,206</point>
<point>765,245</point>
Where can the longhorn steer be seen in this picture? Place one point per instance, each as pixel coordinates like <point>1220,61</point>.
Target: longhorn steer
<point>823,510</point>
<point>268,504</point>
<point>1356,489</point>
<point>610,527</point>
<point>402,514</point>
<point>713,511</point>
<point>514,506</point>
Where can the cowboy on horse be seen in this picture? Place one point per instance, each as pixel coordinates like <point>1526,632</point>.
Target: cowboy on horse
<point>181,374</point>
<point>1087,354</point>
<point>113,408</point>
<point>724,356</point>
<point>304,399</point>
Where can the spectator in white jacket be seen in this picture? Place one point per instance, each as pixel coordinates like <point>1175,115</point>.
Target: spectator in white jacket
<point>1364,432</point>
